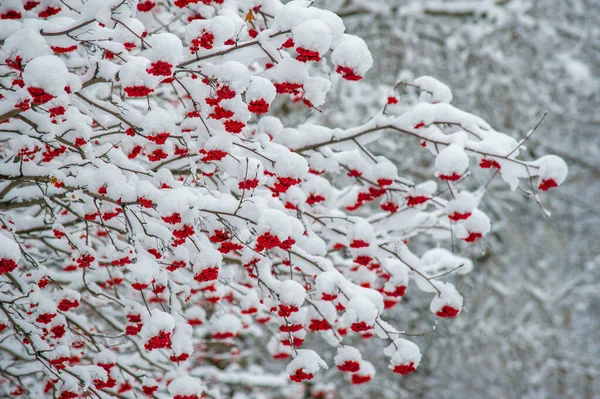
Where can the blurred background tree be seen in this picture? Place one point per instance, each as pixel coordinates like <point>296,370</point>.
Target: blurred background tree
<point>532,314</point>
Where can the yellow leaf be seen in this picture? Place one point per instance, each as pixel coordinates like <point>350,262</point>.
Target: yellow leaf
<point>250,16</point>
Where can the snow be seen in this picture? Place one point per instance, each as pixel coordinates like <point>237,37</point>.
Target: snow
<point>144,269</point>
<point>312,35</point>
<point>269,125</point>
<point>26,43</point>
<point>463,203</point>
<point>316,89</point>
<point>182,341</point>
<point>185,385</point>
<point>287,70</point>
<point>233,73</point>
<point>479,222</point>
<point>261,88</point>
<point>220,26</point>
<point>448,296</point>
<point>291,14</point>
<point>362,231</point>
<point>133,73</point>
<point>105,356</point>
<point>307,360</point>
<point>226,323</point>
<point>452,160</point>
<point>47,72</point>
<point>403,352</point>
<point>259,291</point>
<point>437,261</point>
<point>158,121</point>
<point>551,167</point>
<point>434,91</point>
<point>361,309</point>
<point>291,293</point>
<point>9,249</point>
<point>165,47</point>
<point>366,369</point>
<point>159,321</point>
<point>399,274</point>
<point>291,165</point>
<point>67,293</point>
<point>352,52</point>
<point>129,31</point>
<point>346,353</point>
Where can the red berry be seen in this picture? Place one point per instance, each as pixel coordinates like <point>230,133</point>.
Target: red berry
<point>404,369</point>
<point>447,312</point>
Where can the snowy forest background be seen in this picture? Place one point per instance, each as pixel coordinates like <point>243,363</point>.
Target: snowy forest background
<point>530,324</point>
<point>531,315</point>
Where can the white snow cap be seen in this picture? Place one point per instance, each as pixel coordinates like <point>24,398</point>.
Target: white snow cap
<point>165,47</point>
<point>9,249</point>
<point>307,360</point>
<point>133,73</point>
<point>478,222</point>
<point>448,297</point>
<point>362,309</point>
<point>157,121</point>
<point>220,26</point>
<point>366,369</point>
<point>269,125</point>
<point>316,89</point>
<point>347,353</point>
<point>233,73</point>
<point>47,72</point>
<point>185,385</point>
<point>403,352</point>
<point>437,261</point>
<point>312,35</point>
<point>326,282</point>
<point>260,88</point>
<point>291,293</point>
<point>291,165</point>
<point>353,53</point>
<point>106,356</point>
<point>25,43</point>
<point>130,30</point>
<point>363,231</point>
<point>182,339</point>
<point>451,160</point>
<point>226,323</point>
<point>434,91</point>
<point>552,167</point>
<point>463,204</point>
<point>160,321</point>
<point>288,70</point>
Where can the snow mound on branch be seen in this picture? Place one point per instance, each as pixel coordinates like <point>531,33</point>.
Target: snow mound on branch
<point>9,249</point>
<point>308,360</point>
<point>261,88</point>
<point>451,161</point>
<point>26,43</point>
<point>403,352</point>
<point>353,53</point>
<point>312,35</point>
<point>551,167</point>
<point>47,72</point>
<point>185,386</point>
<point>434,91</point>
<point>291,293</point>
<point>159,321</point>
<point>165,47</point>
<point>362,309</point>
<point>449,297</point>
<point>133,73</point>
